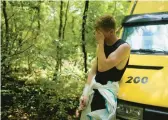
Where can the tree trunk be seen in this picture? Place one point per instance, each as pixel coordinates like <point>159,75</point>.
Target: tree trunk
<point>58,61</point>
<point>83,35</point>
<point>66,17</point>
<point>5,52</point>
<point>30,60</point>
<point>63,33</point>
<point>38,10</point>
<point>6,25</point>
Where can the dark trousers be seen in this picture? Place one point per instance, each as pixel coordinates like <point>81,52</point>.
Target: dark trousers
<point>98,102</point>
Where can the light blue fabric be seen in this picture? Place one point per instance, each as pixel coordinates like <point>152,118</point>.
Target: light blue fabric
<point>109,92</point>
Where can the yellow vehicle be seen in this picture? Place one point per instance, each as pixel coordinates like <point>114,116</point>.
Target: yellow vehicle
<point>143,93</point>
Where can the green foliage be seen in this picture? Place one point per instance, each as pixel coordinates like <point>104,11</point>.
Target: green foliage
<point>47,100</point>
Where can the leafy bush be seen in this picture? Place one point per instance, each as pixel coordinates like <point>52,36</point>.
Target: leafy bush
<point>47,100</point>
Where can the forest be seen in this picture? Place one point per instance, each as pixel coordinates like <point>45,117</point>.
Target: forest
<point>46,52</point>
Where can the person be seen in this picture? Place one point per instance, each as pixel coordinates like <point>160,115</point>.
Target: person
<point>107,70</point>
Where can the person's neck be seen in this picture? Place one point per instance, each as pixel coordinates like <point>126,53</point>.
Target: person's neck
<point>111,41</point>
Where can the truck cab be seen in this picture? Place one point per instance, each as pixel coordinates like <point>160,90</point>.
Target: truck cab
<point>143,93</point>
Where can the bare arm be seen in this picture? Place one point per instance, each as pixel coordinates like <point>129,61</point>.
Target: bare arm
<point>91,74</point>
<point>92,71</point>
<point>120,54</point>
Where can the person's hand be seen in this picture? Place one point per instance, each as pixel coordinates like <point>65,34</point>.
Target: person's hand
<point>77,114</point>
<point>83,102</point>
<point>99,37</point>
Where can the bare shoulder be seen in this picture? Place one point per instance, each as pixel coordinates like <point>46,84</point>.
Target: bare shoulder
<point>124,47</point>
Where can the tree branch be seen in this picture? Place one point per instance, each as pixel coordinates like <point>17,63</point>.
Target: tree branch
<point>22,51</point>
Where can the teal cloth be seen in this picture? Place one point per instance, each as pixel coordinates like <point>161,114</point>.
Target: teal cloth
<point>109,92</point>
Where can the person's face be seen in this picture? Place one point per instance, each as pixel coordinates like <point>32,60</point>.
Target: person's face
<point>107,33</point>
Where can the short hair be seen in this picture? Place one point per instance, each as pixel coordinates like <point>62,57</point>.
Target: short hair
<point>106,22</point>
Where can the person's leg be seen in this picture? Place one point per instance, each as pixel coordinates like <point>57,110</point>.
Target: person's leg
<point>98,102</point>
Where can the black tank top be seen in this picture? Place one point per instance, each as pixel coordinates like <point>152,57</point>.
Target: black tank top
<point>113,74</point>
